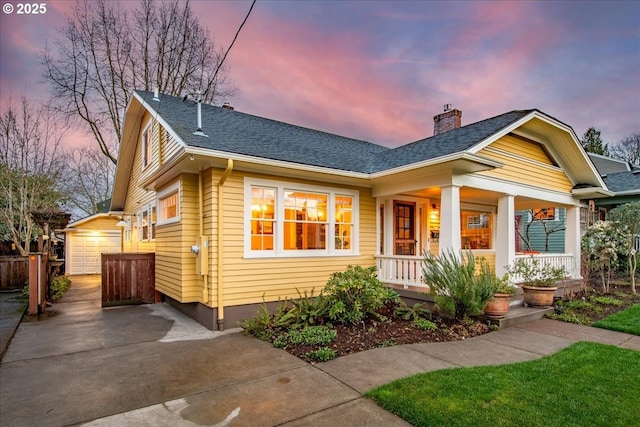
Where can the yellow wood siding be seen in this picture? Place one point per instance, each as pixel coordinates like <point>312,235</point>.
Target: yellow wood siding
<point>247,281</point>
<point>100,223</point>
<point>525,163</point>
<point>175,264</point>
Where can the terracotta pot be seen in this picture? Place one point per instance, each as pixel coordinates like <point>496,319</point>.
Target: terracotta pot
<point>498,307</point>
<point>538,297</point>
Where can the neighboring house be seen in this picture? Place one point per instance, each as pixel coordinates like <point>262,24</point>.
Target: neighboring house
<point>622,178</point>
<point>541,230</point>
<point>87,239</point>
<point>244,209</point>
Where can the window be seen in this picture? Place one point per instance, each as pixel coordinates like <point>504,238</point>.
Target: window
<point>127,229</point>
<point>544,214</point>
<point>476,230</point>
<point>298,220</point>
<point>263,202</point>
<point>305,221</point>
<point>168,205</point>
<point>154,220</point>
<point>146,146</point>
<point>145,225</point>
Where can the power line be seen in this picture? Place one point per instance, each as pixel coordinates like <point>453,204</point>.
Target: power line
<point>234,40</point>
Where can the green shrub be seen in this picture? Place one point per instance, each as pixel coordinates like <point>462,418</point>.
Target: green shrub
<point>534,273</point>
<point>457,288</point>
<point>59,285</point>
<point>425,324</point>
<point>323,354</point>
<point>356,293</point>
<point>312,335</point>
<point>306,310</point>
<point>419,310</point>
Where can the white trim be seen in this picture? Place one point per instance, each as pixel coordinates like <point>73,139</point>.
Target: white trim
<point>170,190</point>
<point>280,187</point>
<point>148,128</point>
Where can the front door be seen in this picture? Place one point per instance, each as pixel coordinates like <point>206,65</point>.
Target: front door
<point>404,228</point>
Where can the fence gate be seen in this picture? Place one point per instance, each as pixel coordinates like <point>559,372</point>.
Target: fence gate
<point>128,278</point>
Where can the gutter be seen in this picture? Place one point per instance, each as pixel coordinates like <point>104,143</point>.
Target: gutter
<point>223,179</point>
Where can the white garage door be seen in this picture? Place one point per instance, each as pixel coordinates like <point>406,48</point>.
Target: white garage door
<point>85,249</point>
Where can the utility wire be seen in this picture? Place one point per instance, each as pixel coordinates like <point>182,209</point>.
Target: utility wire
<point>234,40</point>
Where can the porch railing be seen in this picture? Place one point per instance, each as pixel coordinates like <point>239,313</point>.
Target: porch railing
<point>400,270</point>
<point>407,270</point>
<point>565,261</point>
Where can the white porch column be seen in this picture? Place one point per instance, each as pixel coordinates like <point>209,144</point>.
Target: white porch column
<point>572,238</point>
<point>505,234</point>
<point>450,219</point>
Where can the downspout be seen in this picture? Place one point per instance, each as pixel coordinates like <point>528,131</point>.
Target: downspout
<point>205,275</point>
<point>223,179</point>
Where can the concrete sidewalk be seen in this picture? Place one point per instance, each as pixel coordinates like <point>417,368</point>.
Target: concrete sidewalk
<point>151,365</point>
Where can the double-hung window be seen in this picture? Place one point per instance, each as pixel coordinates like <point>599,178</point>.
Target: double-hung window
<point>168,202</point>
<point>285,219</point>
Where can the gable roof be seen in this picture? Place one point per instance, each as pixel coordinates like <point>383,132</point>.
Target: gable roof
<point>606,165</point>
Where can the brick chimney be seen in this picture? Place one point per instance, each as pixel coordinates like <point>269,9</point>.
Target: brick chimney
<point>449,120</point>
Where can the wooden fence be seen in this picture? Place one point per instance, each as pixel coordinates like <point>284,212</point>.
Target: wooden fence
<point>128,278</point>
<point>14,272</point>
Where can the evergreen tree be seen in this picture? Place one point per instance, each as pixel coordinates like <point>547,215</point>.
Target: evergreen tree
<point>592,142</point>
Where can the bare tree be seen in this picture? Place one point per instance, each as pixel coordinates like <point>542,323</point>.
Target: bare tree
<point>31,167</point>
<point>628,149</point>
<point>89,180</point>
<point>108,49</point>
<point>539,219</point>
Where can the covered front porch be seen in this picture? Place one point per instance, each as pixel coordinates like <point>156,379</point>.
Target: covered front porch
<point>492,223</point>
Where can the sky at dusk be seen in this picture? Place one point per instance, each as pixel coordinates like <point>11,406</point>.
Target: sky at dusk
<point>380,71</point>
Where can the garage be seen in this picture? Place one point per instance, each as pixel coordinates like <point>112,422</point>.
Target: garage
<point>86,240</point>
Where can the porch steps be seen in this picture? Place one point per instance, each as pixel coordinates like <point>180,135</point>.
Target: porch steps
<point>517,315</point>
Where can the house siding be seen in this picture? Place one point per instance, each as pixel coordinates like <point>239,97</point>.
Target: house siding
<point>525,163</point>
<point>248,281</point>
<point>537,234</point>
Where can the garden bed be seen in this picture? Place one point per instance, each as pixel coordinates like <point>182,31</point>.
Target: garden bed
<point>589,306</point>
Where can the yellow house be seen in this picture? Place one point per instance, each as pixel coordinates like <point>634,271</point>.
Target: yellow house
<point>239,209</point>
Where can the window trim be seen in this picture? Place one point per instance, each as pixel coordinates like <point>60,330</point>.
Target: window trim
<point>281,187</point>
<point>160,196</point>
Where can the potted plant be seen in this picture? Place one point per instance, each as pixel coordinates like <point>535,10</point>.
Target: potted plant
<point>498,306</point>
<point>537,280</point>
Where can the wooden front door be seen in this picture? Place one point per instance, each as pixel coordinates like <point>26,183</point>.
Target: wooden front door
<point>404,228</point>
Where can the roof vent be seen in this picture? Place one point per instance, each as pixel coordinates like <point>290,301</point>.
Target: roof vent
<point>156,94</point>
<point>227,106</point>
<point>199,102</point>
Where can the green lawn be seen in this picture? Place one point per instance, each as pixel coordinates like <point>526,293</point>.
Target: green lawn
<point>586,384</point>
<point>624,321</point>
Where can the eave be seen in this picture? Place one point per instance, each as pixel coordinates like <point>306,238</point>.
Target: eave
<point>592,193</point>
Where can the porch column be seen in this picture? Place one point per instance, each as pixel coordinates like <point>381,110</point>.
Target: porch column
<point>450,219</point>
<point>505,234</point>
<point>572,238</point>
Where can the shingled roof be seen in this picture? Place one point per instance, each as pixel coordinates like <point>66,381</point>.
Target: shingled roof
<point>623,182</point>
<point>240,133</point>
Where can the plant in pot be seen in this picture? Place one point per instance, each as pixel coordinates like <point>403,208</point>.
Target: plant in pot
<point>498,306</point>
<point>537,280</point>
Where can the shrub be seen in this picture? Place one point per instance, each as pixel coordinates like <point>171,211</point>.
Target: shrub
<point>312,335</point>
<point>59,285</point>
<point>356,293</point>
<point>534,273</point>
<point>323,354</point>
<point>425,324</point>
<point>419,310</point>
<point>457,288</point>
<point>306,310</point>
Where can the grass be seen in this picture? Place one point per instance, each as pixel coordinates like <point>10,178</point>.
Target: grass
<point>586,384</point>
<point>623,321</point>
